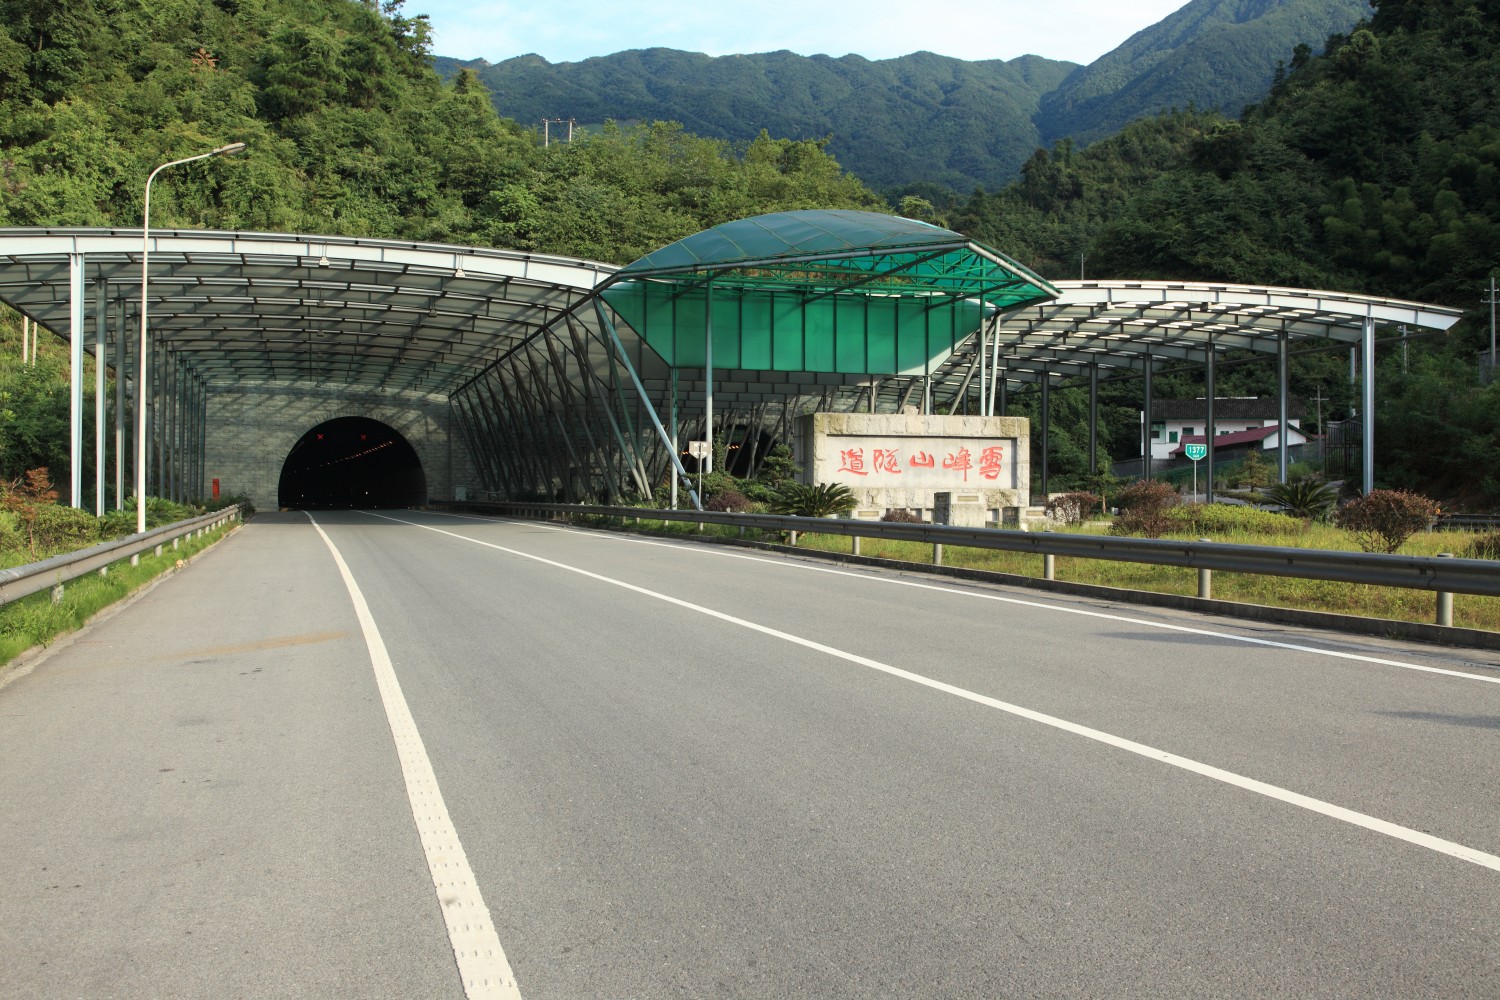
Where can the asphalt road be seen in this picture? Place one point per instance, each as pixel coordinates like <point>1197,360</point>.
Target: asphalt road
<point>682,771</point>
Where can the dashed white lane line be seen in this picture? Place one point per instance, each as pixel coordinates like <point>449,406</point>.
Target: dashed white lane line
<point>1350,816</point>
<point>482,964</point>
<point>983,596</point>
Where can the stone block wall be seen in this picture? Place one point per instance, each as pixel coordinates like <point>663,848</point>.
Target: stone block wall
<point>251,430</point>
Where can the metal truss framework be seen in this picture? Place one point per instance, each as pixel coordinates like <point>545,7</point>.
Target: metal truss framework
<point>554,394</point>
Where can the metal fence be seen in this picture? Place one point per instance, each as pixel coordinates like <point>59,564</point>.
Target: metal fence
<point>1444,575</point>
<point>52,574</point>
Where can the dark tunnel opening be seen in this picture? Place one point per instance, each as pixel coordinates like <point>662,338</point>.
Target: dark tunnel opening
<point>351,462</point>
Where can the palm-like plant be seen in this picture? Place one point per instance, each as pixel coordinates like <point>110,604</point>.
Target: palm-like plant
<point>821,500</point>
<point>1305,498</point>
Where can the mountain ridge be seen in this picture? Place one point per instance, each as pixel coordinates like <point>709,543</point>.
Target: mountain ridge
<point>925,117</point>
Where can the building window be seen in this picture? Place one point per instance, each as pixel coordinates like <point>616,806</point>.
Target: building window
<point>1187,432</point>
<point>1158,431</point>
<point>1172,437</point>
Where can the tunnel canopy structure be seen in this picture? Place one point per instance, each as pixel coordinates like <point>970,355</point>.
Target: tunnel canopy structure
<point>576,379</point>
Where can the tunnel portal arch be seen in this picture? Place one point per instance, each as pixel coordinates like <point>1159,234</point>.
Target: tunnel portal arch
<point>350,462</point>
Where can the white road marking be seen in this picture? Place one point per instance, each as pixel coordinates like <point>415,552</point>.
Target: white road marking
<point>482,964</point>
<point>1309,803</point>
<point>980,595</point>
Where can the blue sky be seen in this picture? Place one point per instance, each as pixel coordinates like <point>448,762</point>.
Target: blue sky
<point>570,30</point>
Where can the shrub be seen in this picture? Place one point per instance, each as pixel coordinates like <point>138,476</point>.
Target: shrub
<point>1226,518</point>
<point>1143,506</point>
<point>63,529</point>
<point>822,500</point>
<point>1486,546</point>
<point>1382,520</point>
<point>1072,508</point>
<point>900,515</point>
<point>726,498</point>
<point>1305,498</point>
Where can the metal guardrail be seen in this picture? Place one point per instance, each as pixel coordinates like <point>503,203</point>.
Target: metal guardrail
<point>51,574</point>
<point>1443,574</point>
<point>1470,522</point>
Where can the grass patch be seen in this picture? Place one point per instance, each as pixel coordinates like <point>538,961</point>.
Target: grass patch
<point>36,621</point>
<point>1393,603</point>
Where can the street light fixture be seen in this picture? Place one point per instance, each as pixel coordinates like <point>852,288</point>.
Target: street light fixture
<point>140,372</point>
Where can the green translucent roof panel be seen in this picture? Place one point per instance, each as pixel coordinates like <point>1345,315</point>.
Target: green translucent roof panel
<point>819,291</point>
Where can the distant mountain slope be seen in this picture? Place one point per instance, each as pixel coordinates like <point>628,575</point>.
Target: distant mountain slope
<point>892,121</point>
<point>925,117</point>
<point>1215,54</point>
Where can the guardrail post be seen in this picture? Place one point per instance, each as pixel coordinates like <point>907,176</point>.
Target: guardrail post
<point>937,553</point>
<point>792,536</point>
<point>1049,567</point>
<point>1205,581</point>
<point>57,594</point>
<point>855,547</point>
<point>1445,600</point>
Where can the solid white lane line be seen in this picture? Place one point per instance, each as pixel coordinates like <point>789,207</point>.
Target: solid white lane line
<point>980,595</point>
<point>1328,809</point>
<point>482,964</point>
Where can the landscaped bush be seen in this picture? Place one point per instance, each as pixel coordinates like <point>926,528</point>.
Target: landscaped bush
<point>1073,508</point>
<point>1382,520</point>
<point>1226,518</point>
<point>1143,509</point>
<point>726,499</point>
<point>63,529</point>
<point>1305,498</point>
<point>900,515</point>
<point>822,500</point>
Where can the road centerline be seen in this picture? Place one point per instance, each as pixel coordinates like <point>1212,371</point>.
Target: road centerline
<point>482,965</point>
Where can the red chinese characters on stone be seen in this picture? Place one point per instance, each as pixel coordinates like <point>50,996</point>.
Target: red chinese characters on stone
<point>989,462</point>
<point>922,460</point>
<point>886,460</point>
<point>853,461</point>
<point>959,461</point>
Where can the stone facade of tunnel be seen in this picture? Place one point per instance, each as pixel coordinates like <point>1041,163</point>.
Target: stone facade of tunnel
<point>251,431</point>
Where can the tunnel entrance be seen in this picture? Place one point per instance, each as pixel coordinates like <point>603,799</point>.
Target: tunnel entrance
<point>351,462</point>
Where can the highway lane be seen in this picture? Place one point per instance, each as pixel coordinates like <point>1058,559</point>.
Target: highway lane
<point>665,799</point>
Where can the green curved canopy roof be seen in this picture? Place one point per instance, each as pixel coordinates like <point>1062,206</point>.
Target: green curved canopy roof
<point>819,291</point>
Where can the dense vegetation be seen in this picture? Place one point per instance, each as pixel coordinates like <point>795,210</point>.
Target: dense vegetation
<point>351,132</point>
<point>1372,168</point>
<point>1212,54</point>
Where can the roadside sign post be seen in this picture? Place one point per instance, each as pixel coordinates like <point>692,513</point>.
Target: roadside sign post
<point>1196,452</point>
<point>699,451</point>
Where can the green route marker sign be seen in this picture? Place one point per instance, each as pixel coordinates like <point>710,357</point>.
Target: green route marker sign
<point>1195,451</point>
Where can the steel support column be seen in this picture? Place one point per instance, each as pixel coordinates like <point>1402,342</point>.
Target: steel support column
<point>661,431</point>
<point>1368,426</point>
<point>1046,405</point>
<point>1283,378</point>
<point>1146,416</point>
<point>1208,431</point>
<point>77,302</point>
<point>1093,418</point>
<point>122,330</point>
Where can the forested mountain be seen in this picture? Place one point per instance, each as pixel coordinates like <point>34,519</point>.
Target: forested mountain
<point>1212,54</point>
<point>350,131</point>
<point>1373,168</point>
<point>892,121</point>
<point>924,117</point>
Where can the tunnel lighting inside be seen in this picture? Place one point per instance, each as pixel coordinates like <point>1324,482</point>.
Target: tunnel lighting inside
<point>352,462</point>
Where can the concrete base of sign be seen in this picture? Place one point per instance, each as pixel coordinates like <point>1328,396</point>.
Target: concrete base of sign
<point>901,461</point>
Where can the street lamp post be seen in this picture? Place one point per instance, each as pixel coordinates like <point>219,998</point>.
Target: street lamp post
<point>141,358</point>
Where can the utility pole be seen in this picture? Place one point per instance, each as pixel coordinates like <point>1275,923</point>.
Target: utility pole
<point>547,124</point>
